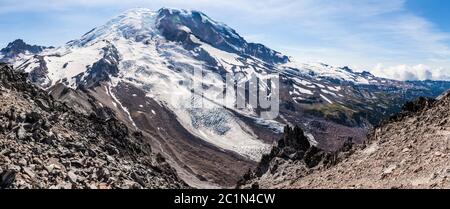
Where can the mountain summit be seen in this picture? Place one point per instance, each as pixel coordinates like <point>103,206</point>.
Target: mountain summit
<point>141,25</point>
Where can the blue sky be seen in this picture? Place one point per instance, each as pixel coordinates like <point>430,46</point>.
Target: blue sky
<point>401,39</point>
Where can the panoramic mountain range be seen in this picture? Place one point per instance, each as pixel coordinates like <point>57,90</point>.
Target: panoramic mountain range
<point>132,68</point>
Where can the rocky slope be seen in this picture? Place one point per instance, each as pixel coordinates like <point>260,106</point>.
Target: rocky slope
<point>410,150</point>
<point>46,144</point>
<point>294,156</point>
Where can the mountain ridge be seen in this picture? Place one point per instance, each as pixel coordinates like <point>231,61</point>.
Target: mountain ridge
<point>17,48</point>
<point>410,150</point>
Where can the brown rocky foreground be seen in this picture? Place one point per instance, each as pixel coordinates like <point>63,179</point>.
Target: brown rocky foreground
<point>410,150</point>
<point>45,144</point>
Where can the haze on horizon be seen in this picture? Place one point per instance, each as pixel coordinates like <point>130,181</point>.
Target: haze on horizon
<point>398,39</point>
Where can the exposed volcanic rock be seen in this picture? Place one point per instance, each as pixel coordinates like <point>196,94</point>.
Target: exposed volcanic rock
<point>410,150</point>
<point>176,25</point>
<point>411,108</point>
<point>293,155</point>
<point>46,144</point>
<point>18,47</point>
<point>102,69</point>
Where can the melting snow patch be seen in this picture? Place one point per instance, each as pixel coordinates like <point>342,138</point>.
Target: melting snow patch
<point>334,88</point>
<point>302,90</point>
<point>123,108</point>
<point>326,99</point>
<point>271,124</point>
<point>320,85</point>
<point>298,98</point>
<point>328,92</point>
<point>311,139</point>
<point>303,82</point>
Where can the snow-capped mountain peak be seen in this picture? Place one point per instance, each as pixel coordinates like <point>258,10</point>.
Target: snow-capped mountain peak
<point>135,24</point>
<point>141,24</point>
<point>182,16</point>
<point>175,24</point>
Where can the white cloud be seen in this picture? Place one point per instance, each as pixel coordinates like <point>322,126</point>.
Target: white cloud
<point>416,72</point>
